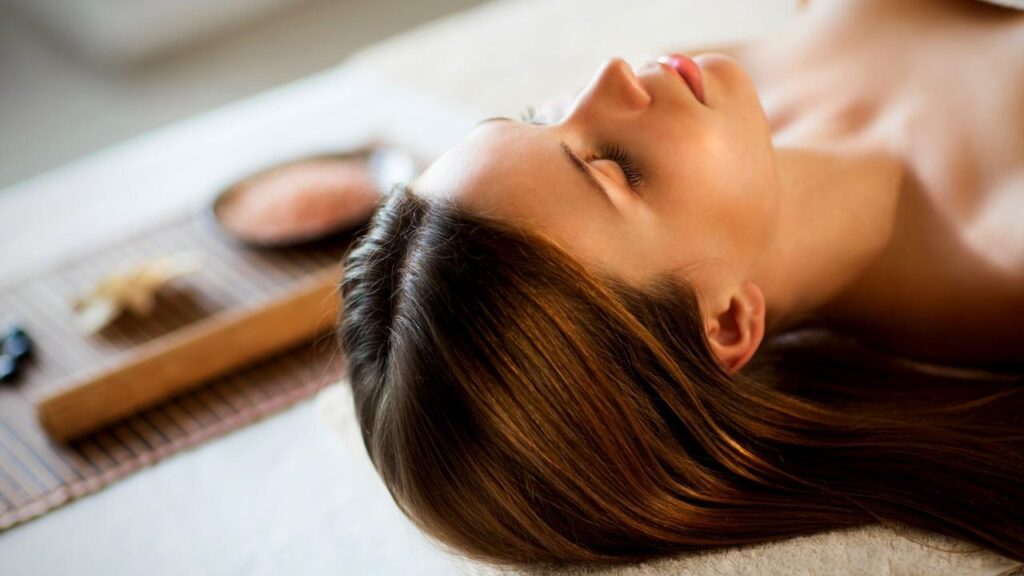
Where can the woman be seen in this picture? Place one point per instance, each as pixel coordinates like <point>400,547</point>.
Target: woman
<point>717,301</point>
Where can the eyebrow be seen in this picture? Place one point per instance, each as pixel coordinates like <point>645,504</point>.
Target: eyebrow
<point>583,168</point>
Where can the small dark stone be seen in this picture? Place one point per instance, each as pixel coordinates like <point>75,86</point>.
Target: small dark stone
<point>8,367</point>
<point>17,343</point>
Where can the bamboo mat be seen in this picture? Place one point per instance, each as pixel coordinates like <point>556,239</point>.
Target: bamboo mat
<point>37,475</point>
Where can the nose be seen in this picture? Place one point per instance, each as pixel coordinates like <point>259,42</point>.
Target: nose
<point>614,90</point>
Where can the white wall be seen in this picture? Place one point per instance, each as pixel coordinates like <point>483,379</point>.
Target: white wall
<point>57,105</point>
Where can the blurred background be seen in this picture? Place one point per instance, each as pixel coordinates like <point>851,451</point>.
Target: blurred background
<point>80,75</point>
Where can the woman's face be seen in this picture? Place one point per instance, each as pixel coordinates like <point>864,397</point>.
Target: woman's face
<point>638,178</point>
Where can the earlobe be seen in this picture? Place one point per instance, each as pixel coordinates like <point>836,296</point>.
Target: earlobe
<point>736,332</point>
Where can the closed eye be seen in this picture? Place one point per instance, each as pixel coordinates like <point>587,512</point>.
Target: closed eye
<point>634,177</point>
<point>632,174</point>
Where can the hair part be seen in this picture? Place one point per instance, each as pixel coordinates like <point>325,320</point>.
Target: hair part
<point>522,409</point>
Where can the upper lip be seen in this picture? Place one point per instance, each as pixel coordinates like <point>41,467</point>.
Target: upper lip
<point>664,63</point>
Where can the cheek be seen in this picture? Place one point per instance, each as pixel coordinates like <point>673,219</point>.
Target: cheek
<point>719,193</point>
<point>692,220</point>
<point>720,201</point>
<point>741,162</point>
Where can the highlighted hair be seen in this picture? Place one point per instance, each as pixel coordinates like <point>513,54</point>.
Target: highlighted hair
<point>521,409</point>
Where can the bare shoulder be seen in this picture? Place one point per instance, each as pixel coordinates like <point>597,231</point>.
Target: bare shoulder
<point>997,230</point>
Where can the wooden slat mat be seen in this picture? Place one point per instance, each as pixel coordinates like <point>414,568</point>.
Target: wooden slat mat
<point>37,475</point>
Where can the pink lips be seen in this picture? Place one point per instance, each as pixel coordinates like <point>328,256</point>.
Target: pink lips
<point>689,71</point>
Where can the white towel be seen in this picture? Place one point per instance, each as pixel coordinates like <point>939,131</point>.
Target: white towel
<point>1018,4</point>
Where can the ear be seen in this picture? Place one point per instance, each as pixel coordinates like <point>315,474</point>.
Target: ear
<point>735,332</point>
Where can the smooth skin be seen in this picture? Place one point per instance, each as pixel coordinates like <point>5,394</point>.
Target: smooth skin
<point>812,185</point>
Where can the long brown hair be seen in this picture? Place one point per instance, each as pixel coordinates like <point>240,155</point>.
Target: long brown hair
<point>523,409</point>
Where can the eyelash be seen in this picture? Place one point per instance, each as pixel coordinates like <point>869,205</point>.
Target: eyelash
<point>626,164</point>
<point>616,154</point>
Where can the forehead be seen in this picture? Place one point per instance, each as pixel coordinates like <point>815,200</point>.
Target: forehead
<point>496,170</point>
<point>519,174</point>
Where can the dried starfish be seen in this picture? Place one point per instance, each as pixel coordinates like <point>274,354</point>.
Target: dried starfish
<point>133,289</point>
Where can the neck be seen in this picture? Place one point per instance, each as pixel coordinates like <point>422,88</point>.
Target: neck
<point>836,218</point>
